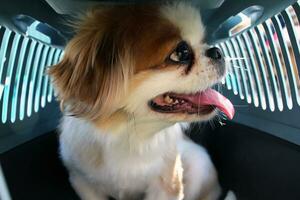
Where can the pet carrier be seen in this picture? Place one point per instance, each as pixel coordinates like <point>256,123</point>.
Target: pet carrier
<point>257,154</point>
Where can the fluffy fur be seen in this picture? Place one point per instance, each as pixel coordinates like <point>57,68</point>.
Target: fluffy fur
<point>111,141</point>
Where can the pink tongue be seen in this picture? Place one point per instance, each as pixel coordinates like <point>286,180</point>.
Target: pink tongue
<point>212,97</point>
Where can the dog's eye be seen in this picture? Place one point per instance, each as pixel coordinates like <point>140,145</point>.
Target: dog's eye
<point>182,54</point>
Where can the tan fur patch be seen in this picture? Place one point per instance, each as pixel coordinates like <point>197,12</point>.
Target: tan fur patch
<point>113,122</point>
<point>110,46</point>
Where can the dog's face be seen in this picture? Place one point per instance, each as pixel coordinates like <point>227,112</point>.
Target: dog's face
<point>147,61</point>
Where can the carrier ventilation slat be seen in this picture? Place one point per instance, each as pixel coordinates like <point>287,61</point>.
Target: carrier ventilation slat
<point>8,77</point>
<point>57,57</point>
<point>3,50</point>
<point>253,68</point>
<point>46,78</point>
<point>35,67</point>
<point>248,72</point>
<point>15,99</point>
<point>227,79</point>
<point>270,74</point>
<point>261,67</point>
<point>25,79</point>
<point>235,74</point>
<point>265,62</point>
<point>241,70</point>
<point>25,86</point>
<point>39,78</point>
<point>279,70</point>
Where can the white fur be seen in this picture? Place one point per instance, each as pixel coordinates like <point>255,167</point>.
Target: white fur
<point>187,19</point>
<point>124,171</point>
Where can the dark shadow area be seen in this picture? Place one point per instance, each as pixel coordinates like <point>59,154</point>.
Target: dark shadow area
<point>34,171</point>
<point>257,166</point>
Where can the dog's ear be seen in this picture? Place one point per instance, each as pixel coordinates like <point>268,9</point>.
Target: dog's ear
<point>91,77</point>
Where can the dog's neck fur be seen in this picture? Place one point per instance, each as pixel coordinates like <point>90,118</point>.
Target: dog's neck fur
<point>141,134</point>
<point>121,123</point>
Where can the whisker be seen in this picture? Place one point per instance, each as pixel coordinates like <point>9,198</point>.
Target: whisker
<point>200,126</point>
<point>224,117</point>
<point>212,124</point>
<point>240,67</point>
<point>231,74</point>
<point>229,58</point>
<point>219,119</point>
<point>220,88</point>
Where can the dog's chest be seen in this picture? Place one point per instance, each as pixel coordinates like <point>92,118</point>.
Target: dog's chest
<point>111,165</point>
<point>127,177</point>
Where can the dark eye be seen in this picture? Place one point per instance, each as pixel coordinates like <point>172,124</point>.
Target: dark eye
<point>182,54</point>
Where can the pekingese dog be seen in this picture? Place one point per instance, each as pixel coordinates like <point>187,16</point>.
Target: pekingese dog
<point>127,77</point>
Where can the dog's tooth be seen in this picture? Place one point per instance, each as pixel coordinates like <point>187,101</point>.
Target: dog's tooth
<point>176,101</point>
<point>168,99</point>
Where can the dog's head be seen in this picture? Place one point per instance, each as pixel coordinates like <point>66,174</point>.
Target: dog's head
<point>146,61</point>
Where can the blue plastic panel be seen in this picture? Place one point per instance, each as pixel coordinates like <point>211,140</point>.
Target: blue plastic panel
<point>25,85</point>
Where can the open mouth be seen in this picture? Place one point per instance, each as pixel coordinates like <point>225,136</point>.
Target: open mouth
<point>200,103</point>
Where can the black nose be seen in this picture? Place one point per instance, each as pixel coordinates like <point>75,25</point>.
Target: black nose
<point>214,53</point>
